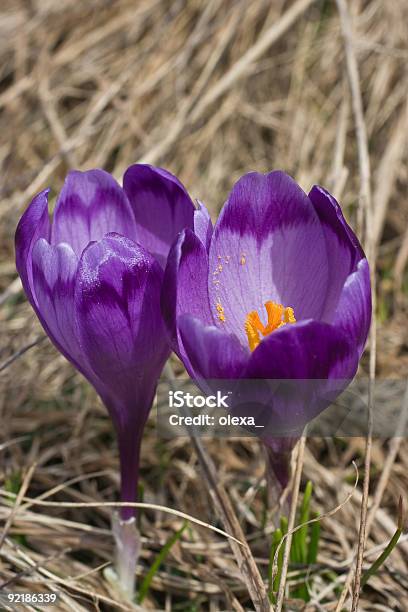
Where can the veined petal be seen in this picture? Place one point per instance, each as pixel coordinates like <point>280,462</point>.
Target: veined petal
<point>268,244</point>
<point>317,355</point>
<point>211,352</point>
<point>353,313</point>
<point>90,205</point>
<point>117,302</point>
<point>331,215</point>
<point>161,206</point>
<point>54,274</point>
<point>185,287</point>
<point>305,350</point>
<point>203,227</point>
<point>34,224</point>
<point>343,248</point>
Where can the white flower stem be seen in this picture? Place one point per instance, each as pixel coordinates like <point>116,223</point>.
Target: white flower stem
<point>127,542</point>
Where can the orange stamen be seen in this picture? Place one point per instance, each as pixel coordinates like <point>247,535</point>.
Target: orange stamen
<point>278,315</point>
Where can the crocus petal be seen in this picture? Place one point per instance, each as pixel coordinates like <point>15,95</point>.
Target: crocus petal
<point>161,206</point>
<point>185,287</point>
<point>54,274</point>
<point>90,205</point>
<point>117,301</point>
<point>316,354</point>
<point>211,352</point>
<point>331,215</point>
<point>306,350</point>
<point>34,224</point>
<point>117,304</point>
<point>268,244</point>
<point>353,312</point>
<point>203,227</point>
<point>342,246</point>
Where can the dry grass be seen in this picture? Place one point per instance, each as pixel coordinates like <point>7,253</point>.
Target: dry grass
<point>209,90</point>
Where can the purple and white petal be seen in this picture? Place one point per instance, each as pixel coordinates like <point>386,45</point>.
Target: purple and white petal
<point>313,361</point>
<point>203,227</point>
<point>343,248</point>
<point>161,206</point>
<point>305,350</point>
<point>117,303</point>
<point>212,353</point>
<point>91,204</point>
<point>33,225</point>
<point>331,216</point>
<point>268,244</point>
<point>353,313</point>
<point>54,275</point>
<point>185,287</point>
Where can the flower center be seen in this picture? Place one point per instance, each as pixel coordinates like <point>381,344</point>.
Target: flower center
<point>278,315</point>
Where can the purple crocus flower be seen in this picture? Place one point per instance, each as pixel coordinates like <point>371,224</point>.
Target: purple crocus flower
<point>282,292</point>
<point>94,276</point>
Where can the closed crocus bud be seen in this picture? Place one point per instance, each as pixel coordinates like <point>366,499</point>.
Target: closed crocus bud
<point>281,294</point>
<point>93,276</point>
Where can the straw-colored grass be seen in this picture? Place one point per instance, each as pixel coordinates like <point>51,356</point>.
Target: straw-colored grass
<point>210,90</point>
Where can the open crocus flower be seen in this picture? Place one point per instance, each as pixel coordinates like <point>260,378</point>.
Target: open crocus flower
<point>282,293</point>
<point>94,276</point>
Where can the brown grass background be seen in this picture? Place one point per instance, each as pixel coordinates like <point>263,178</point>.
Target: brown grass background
<point>210,90</point>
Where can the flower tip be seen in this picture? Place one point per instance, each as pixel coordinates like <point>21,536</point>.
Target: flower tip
<point>32,218</point>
